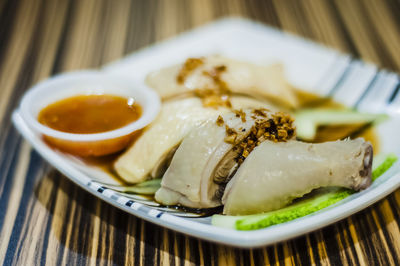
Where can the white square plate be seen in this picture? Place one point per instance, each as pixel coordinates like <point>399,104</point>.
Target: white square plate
<point>308,66</point>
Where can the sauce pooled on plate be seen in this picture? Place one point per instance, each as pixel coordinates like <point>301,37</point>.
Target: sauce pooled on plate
<point>86,114</point>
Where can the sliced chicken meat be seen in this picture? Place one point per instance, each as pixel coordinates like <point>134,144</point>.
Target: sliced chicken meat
<point>150,154</point>
<point>209,155</point>
<point>274,174</point>
<point>223,73</point>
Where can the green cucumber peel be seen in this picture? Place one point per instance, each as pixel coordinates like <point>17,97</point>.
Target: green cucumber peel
<point>323,198</point>
<point>147,187</point>
<point>304,207</point>
<point>308,120</point>
<point>382,163</point>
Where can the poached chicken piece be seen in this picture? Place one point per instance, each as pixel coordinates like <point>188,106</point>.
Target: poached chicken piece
<point>199,75</point>
<point>274,174</point>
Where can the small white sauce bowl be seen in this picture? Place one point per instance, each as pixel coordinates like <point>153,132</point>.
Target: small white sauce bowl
<point>88,83</point>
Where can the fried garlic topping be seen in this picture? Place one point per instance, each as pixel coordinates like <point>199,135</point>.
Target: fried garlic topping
<point>277,127</point>
<point>187,68</point>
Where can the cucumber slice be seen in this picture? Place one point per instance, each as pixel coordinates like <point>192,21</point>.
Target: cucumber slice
<point>302,208</point>
<point>147,188</point>
<point>308,120</point>
<point>226,221</point>
<point>381,164</point>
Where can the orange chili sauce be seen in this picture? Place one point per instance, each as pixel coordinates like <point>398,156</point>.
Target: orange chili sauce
<point>85,114</point>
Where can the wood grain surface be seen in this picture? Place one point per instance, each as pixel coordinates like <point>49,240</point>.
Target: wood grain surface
<point>45,219</point>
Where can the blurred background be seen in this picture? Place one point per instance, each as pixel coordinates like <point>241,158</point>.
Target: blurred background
<point>63,35</point>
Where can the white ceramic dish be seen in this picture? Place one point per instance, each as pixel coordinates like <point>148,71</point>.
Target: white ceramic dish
<point>309,66</point>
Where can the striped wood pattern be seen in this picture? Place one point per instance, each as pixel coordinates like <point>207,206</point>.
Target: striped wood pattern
<point>46,219</point>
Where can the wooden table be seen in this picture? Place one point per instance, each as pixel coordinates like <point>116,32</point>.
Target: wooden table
<point>47,219</point>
